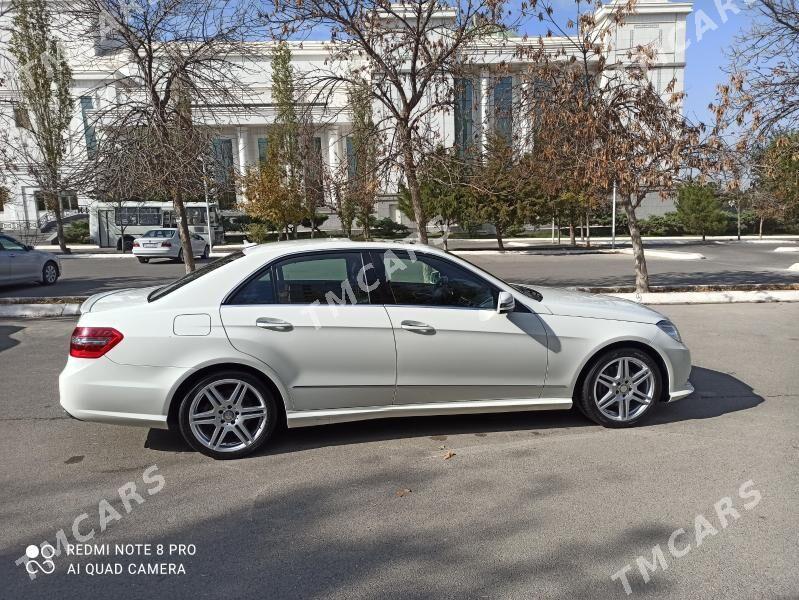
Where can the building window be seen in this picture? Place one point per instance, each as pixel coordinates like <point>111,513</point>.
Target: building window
<point>464,115</point>
<point>503,108</point>
<point>223,172</point>
<point>87,104</point>
<point>69,201</point>
<point>352,160</point>
<point>263,149</point>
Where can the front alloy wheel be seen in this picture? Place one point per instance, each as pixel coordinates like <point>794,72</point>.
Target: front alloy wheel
<point>228,415</point>
<point>621,388</point>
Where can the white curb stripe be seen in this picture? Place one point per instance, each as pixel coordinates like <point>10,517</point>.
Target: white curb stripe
<point>712,297</point>
<point>669,254</point>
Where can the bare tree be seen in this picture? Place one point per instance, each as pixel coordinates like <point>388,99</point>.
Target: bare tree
<point>763,92</point>
<point>407,52</point>
<point>184,57</point>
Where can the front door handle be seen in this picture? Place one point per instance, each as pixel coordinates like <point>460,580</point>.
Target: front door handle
<point>273,324</point>
<point>418,327</point>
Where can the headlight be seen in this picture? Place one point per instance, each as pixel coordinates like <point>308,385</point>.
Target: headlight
<point>671,330</point>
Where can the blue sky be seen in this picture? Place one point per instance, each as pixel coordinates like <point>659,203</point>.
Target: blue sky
<point>705,57</point>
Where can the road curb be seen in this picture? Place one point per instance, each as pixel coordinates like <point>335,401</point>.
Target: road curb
<point>37,308</point>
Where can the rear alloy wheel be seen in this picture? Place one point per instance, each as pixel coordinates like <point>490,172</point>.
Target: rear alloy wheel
<point>621,389</point>
<point>143,260</point>
<point>49,273</point>
<point>228,415</point>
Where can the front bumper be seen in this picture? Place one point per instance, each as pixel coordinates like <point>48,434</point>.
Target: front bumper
<point>687,390</point>
<point>678,364</point>
<point>103,391</point>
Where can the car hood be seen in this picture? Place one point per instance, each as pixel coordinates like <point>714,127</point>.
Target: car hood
<point>116,299</point>
<point>571,303</point>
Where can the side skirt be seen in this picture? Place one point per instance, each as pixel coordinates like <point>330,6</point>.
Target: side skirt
<point>307,418</point>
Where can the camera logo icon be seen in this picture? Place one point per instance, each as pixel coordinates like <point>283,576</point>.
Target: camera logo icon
<point>46,553</point>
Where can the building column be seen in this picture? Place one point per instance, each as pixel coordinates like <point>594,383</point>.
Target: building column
<point>333,160</point>
<point>241,137</point>
<point>485,99</point>
<point>241,133</point>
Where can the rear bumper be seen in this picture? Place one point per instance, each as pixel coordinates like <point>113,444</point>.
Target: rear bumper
<point>156,252</point>
<point>103,391</point>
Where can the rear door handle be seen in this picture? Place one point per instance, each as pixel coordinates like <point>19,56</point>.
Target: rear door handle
<point>418,327</point>
<point>273,324</point>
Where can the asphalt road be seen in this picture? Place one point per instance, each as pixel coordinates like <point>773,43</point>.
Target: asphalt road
<point>726,263</point>
<point>536,505</point>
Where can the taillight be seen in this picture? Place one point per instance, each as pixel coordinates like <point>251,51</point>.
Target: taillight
<point>166,244</point>
<point>93,342</point>
<point>136,244</point>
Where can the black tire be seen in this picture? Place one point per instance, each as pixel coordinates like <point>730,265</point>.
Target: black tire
<point>260,435</point>
<point>180,255</point>
<point>143,260</point>
<point>205,253</point>
<point>50,273</point>
<point>585,395</point>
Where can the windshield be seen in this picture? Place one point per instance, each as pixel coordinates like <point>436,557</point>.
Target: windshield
<point>189,277</point>
<point>160,233</point>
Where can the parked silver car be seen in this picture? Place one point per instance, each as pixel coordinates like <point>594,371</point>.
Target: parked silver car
<point>165,243</point>
<point>22,264</point>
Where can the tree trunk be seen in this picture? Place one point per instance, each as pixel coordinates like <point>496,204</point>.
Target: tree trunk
<point>738,210</point>
<point>59,225</point>
<point>572,238</point>
<point>587,229</point>
<point>55,203</point>
<point>558,230</point>
<point>641,272</point>
<point>413,186</point>
<point>183,230</point>
<point>500,242</point>
<point>761,227</point>
<point>582,231</point>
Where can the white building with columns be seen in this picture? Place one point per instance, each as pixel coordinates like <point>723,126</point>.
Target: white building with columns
<point>485,101</point>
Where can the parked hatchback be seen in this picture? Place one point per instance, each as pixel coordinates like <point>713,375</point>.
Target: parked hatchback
<point>20,263</point>
<point>306,333</point>
<point>165,243</point>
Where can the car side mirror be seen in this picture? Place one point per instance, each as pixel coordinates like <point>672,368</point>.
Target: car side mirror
<point>28,248</point>
<point>506,303</point>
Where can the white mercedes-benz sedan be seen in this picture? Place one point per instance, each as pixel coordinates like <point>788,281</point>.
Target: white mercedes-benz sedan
<point>311,332</point>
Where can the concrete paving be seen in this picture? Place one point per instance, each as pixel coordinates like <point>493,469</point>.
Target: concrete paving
<point>537,505</point>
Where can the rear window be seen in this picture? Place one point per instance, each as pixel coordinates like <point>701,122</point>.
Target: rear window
<point>160,233</point>
<point>189,277</point>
